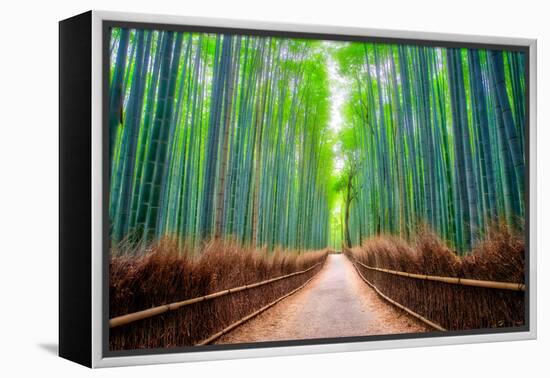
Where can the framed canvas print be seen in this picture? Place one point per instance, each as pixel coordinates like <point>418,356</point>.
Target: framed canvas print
<point>233,189</point>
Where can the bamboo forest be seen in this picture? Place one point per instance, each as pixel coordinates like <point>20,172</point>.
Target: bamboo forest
<point>307,144</point>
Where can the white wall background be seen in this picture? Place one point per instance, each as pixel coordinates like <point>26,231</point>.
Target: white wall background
<point>28,189</point>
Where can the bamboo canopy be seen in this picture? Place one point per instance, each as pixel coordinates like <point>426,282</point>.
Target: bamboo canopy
<point>154,311</point>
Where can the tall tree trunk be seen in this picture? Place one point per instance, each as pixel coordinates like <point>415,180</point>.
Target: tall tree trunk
<point>221,68</point>
<point>115,92</point>
<point>463,211</point>
<point>347,210</point>
<point>232,75</point>
<point>131,133</point>
<point>510,129</point>
<point>148,117</point>
<point>152,159</point>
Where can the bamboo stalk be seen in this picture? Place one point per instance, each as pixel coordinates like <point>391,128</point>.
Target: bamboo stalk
<point>250,316</point>
<point>452,280</point>
<point>154,311</point>
<point>397,304</point>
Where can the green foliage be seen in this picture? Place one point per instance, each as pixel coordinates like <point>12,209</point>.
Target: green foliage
<point>225,136</point>
<point>437,132</point>
<point>230,140</point>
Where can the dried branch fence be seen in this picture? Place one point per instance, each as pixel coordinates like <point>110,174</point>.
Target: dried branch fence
<point>140,315</point>
<point>447,303</point>
<point>200,320</point>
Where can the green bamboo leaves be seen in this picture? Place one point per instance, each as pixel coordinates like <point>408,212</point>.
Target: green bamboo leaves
<point>227,136</point>
<point>222,136</point>
<point>441,132</point>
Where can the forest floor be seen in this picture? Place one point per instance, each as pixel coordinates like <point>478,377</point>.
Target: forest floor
<point>336,303</point>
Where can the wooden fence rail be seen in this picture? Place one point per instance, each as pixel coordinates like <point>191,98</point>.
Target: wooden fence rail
<point>224,331</point>
<point>451,280</point>
<point>397,304</point>
<point>154,311</point>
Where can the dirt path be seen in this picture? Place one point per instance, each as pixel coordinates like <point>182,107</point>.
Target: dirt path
<point>336,303</point>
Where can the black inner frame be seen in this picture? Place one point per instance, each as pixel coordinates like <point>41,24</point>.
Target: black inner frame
<point>107,25</point>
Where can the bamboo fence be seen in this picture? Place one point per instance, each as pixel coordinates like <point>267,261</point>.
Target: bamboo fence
<point>248,317</point>
<point>154,311</point>
<point>397,304</point>
<point>452,280</point>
